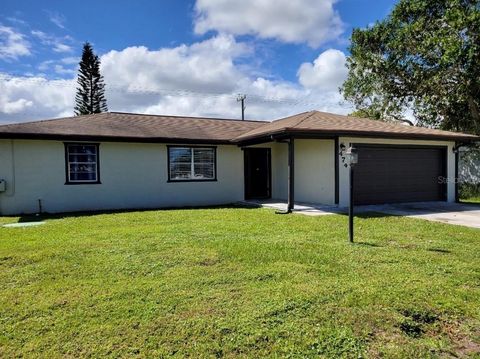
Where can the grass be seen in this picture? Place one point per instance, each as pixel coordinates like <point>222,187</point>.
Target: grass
<point>475,199</point>
<point>469,192</point>
<point>235,282</point>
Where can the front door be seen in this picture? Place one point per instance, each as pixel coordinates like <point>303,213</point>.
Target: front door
<point>257,173</point>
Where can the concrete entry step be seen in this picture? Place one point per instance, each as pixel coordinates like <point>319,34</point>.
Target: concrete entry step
<point>23,224</point>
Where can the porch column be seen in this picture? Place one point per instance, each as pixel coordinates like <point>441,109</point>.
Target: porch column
<point>291,175</point>
<point>457,159</point>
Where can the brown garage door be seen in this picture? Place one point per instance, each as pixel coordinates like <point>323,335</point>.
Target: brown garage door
<point>392,174</point>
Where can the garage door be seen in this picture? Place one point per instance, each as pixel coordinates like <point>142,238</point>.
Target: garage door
<point>393,174</point>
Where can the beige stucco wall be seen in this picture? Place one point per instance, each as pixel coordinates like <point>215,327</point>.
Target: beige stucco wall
<point>344,194</point>
<point>135,176</point>
<point>132,176</point>
<point>314,170</point>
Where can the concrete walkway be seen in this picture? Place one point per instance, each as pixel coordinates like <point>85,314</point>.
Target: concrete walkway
<point>451,213</point>
<point>309,209</point>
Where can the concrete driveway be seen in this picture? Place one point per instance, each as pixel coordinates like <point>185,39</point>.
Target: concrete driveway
<point>451,213</point>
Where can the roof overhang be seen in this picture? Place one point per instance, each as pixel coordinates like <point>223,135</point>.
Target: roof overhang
<point>331,134</point>
<point>248,141</point>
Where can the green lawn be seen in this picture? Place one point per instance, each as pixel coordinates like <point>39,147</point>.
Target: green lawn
<point>471,200</point>
<point>236,282</point>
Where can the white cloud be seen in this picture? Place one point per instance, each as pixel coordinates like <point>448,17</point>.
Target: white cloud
<point>16,21</point>
<point>205,67</point>
<point>12,44</point>
<point>58,44</point>
<point>327,72</point>
<point>201,79</point>
<point>59,47</point>
<point>16,106</point>
<point>312,21</point>
<point>34,97</point>
<point>62,70</point>
<point>60,67</point>
<point>277,91</point>
<point>57,19</point>
<point>45,65</point>
<point>70,60</point>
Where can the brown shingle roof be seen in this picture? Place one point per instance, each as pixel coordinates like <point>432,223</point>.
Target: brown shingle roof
<point>321,123</point>
<point>132,127</point>
<point>154,128</point>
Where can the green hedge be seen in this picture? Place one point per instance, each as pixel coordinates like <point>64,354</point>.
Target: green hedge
<point>469,190</point>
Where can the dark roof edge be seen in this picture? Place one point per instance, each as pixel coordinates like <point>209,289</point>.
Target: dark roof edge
<point>55,137</point>
<point>365,134</point>
<point>279,134</point>
<point>385,134</point>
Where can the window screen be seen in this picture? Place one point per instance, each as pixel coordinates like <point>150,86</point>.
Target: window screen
<point>191,163</point>
<point>82,163</point>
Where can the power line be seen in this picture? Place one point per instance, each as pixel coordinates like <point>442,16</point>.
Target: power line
<point>115,87</point>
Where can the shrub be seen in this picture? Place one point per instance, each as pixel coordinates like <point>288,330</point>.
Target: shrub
<point>469,190</point>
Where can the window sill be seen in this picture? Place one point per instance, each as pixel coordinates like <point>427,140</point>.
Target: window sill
<point>192,180</point>
<point>80,183</point>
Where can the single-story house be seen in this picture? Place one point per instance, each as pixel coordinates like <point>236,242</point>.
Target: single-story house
<point>126,161</point>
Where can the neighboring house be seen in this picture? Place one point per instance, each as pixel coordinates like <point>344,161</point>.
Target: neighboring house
<point>120,160</point>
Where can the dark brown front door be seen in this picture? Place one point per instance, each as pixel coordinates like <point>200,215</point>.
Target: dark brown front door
<point>389,174</point>
<point>257,173</point>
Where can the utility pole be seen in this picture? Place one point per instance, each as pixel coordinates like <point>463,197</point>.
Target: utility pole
<point>241,98</point>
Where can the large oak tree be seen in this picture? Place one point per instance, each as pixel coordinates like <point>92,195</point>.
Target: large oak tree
<point>424,57</point>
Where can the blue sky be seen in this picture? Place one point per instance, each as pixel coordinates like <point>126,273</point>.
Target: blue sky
<point>181,57</point>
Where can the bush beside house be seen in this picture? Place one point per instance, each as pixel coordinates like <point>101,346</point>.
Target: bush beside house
<point>469,174</point>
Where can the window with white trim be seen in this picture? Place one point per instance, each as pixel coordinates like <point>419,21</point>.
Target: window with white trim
<point>191,163</point>
<point>82,163</point>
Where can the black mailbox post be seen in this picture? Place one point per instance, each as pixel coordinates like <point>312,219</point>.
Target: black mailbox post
<point>351,159</point>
